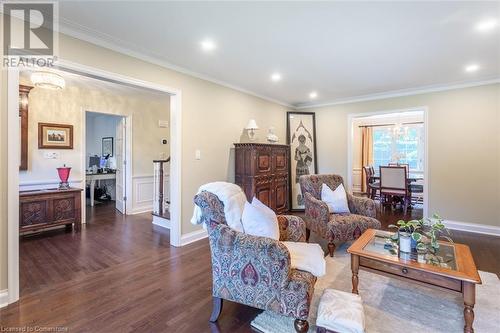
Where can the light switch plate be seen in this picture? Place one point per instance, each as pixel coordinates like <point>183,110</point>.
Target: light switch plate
<point>197,154</point>
<point>51,155</point>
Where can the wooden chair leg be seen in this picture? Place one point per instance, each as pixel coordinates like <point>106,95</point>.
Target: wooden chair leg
<point>217,309</point>
<point>331,248</point>
<point>301,326</point>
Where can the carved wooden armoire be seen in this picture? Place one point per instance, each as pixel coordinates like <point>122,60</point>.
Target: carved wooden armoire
<point>262,171</point>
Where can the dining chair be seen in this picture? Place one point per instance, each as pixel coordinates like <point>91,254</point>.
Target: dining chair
<point>394,184</point>
<point>406,165</point>
<point>417,191</point>
<point>372,186</point>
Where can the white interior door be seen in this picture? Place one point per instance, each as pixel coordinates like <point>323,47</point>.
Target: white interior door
<point>121,165</point>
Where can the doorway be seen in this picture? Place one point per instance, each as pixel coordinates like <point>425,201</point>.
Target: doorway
<point>106,154</point>
<point>389,138</point>
<point>13,81</point>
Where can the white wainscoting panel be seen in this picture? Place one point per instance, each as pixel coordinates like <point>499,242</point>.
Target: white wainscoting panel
<point>356,179</point>
<point>142,193</point>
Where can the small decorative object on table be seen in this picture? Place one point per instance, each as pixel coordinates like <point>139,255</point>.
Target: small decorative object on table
<point>404,236</point>
<point>63,176</point>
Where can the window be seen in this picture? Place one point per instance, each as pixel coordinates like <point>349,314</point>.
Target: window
<point>403,144</point>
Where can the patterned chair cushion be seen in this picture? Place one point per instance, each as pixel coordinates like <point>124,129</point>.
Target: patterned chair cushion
<point>347,227</point>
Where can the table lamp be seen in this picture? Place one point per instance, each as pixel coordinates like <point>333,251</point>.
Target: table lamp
<point>251,127</point>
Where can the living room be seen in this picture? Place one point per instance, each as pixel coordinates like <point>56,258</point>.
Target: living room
<point>287,94</point>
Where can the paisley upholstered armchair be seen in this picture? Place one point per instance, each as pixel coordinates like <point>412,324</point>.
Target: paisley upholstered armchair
<point>256,271</point>
<point>336,227</point>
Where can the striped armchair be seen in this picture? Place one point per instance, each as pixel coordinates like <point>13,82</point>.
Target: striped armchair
<point>336,227</point>
<point>256,271</point>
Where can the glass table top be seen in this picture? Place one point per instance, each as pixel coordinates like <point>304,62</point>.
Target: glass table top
<point>382,244</point>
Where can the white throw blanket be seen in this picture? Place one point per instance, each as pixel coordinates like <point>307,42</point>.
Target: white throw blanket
<point>233,199</point>
<point>307,257</point>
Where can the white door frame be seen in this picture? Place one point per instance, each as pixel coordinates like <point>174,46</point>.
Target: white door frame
<point>350,119</point>
<point>13,165</point>
<point>128,154</point>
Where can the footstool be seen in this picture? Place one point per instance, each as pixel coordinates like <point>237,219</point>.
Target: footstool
<point>339,311</point>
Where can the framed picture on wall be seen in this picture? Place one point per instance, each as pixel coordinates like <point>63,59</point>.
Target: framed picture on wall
<point>301,136</point>
<point>107,146</point>
<point>55,136</point>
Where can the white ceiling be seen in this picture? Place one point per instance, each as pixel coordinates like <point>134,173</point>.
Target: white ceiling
<point>342,50</point>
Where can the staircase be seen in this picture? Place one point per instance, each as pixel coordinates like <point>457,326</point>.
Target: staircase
<point>161,194</point>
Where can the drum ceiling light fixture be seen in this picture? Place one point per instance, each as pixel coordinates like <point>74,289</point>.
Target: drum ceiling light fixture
<point>47,80</point>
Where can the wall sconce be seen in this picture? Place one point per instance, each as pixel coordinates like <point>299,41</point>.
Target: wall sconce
<point>251,128</point>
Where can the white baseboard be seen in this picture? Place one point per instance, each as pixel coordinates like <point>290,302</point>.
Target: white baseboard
<point>193,236</point>
<point>473,227</point>
<point>161,222</point>
<point>4,298</point>
<point>140,211</point>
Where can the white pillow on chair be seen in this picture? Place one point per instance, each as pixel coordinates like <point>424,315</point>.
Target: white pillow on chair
<point>260,220</point>
<point>336,200</point>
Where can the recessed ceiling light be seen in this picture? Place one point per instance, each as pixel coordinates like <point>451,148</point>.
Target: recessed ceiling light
<point>275,77</point>
<point>471,68</point>
<point>486,25</point>
<point>208,45</point>
<point>313,94</point>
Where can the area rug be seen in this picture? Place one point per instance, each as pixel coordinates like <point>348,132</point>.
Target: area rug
<point>392,305</point>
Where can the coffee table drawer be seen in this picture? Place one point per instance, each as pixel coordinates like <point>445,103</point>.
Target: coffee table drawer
<point>410,273</point>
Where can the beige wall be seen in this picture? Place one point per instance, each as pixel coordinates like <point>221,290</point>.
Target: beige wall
<point>213,117</point>
<point>67,106</point>
<point>464,148</point>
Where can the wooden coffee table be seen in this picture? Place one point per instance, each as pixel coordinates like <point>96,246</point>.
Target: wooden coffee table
<point>457,271</point>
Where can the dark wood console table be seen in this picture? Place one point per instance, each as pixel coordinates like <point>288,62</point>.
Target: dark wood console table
<point>40,209</point>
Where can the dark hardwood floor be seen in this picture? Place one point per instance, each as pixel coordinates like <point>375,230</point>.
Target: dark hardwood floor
<point>120,275</point>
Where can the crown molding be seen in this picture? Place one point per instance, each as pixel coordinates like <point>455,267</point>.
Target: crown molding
<point>100,39</point>
<point>398,93</point>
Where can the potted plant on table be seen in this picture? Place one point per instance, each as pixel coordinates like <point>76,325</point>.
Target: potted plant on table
<point>424,234</point>
<point>407,234</point>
